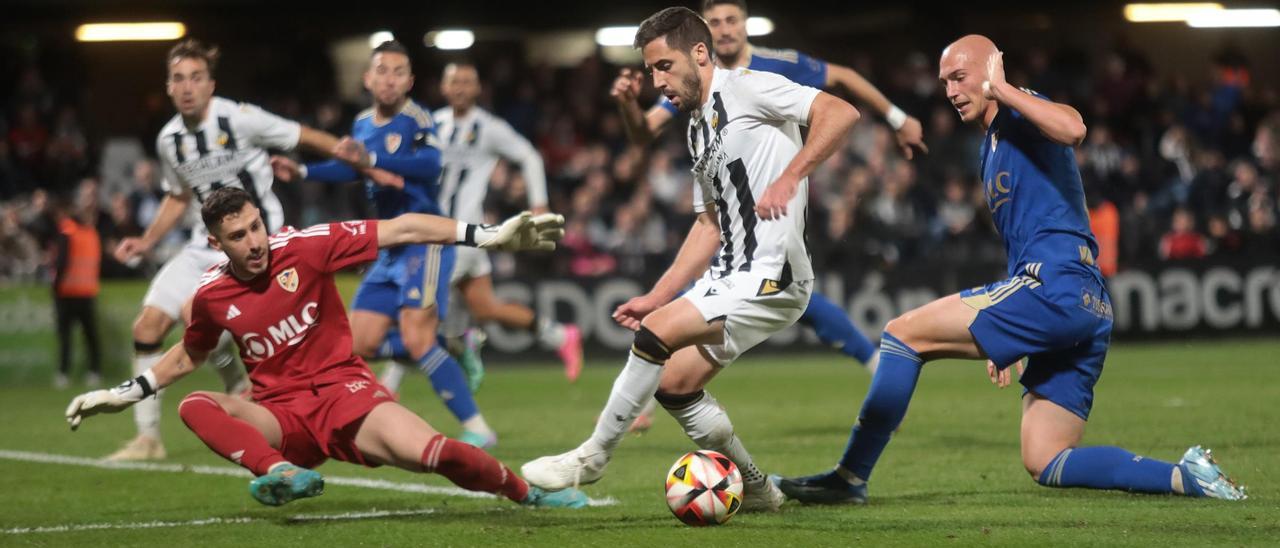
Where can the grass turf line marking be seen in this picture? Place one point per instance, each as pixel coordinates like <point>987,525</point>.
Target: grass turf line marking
<point>216,521</point>
<point>368,483</point>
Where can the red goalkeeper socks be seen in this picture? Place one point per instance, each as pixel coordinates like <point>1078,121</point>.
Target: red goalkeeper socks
<point>471,468</point>
<point>234,439</point>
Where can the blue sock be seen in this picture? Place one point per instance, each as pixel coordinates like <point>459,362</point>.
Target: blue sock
<point>449,382</point>
<point>1109,468</point>
<point>392,347</point>
<point>885,406</point>
<point>834,328</point>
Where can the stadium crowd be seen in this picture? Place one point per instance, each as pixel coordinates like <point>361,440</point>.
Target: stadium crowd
<point>1175,166</point>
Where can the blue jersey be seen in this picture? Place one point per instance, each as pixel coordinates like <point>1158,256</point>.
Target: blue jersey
<point>404,145</point>
<point>1035,196</point>
<point>788,63</point>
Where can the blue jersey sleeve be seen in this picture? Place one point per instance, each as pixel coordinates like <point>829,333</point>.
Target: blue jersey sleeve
<point>331,171</point>
<point>667,105</point>
<point>795,66</point>
<point>423,163</point>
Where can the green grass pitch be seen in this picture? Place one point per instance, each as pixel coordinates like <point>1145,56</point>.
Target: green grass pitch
<point>951,476</point>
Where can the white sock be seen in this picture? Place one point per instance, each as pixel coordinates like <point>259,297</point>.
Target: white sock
<point>392,375</point>
<point>708,425</point>
<point>146,413</point>
<point>649,406</point>
<point>550,334</point>
<point>873,363</point>
<point>477,424</point>
<point>634,387</point>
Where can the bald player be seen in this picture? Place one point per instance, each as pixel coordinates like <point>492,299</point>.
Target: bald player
<point>1053,310</point>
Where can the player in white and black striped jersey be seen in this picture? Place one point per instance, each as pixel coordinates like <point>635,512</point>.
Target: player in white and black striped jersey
<point>209,144</point>
<point>751,171</point>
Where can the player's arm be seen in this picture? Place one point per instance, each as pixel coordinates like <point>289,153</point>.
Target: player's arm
<point>171,210</point>
<point>691,261</point>
<point>525,231</point>
<point>908,130</point>
<point>693,257</point>
<point>642,126</point>
<point>177,363</point>
<point>515,148</point>
<point>1059,123</point>
<point>830,118</point>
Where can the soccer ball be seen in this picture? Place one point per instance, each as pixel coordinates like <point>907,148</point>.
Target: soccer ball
<point>704,488</point>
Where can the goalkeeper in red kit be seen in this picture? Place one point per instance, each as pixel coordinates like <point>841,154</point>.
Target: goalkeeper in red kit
<point>313,399</point>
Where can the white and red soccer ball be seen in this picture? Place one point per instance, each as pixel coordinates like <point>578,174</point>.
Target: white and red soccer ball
<point>704,488</point>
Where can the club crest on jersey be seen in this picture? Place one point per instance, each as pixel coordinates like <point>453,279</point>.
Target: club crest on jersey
<point>393,142</point>
<point>288,280</point>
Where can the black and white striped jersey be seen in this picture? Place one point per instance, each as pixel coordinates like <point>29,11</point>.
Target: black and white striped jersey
<point>227,149</point>
<point>741,140</point>
<point>471,145</point>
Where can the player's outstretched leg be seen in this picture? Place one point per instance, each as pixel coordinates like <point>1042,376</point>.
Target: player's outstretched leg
<point>881,413</point>
<point>633,388</point>
<point>1050,453</point>
<point>707,424</point>
<point>834,328</point>
<point>247,434</point>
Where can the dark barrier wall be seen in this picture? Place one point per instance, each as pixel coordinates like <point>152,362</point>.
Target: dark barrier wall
<point>1203,298</point>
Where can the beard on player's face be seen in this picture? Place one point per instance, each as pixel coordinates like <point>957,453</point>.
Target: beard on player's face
<point>690,90</point>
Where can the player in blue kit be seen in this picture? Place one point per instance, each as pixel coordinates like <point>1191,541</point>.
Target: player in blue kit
<point>407,287</point>
<point>1054,309</point>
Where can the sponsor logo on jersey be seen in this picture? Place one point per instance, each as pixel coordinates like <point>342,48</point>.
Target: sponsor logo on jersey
<point>233,312</point>
<point>288,280</point>
<point>287,332</point>
<point>356,228</point>
<point>393,142</point>
<point>711,292</point>
<point>768,287</point>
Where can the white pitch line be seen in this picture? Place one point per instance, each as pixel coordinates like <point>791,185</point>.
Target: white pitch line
<point>215,521</point>
<point>369,483</point>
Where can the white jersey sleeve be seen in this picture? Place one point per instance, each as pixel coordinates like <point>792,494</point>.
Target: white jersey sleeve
<point>773,97</point>
<point>699,202</point>
<point>508,144</point>
<point>170,182</point>
<point>266,130</point>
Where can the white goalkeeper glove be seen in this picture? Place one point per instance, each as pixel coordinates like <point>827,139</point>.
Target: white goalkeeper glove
<point>111,401</point>
<point>523,232</point>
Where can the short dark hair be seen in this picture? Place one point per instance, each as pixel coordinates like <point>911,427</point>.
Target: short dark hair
<point>390,46</point>
<point>224,201</point>
<point>708,4</point>
<point>195,49</point>
<point>682,28</point>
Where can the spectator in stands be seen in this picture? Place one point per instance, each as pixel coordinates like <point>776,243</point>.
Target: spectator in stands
<point>1182,242</point>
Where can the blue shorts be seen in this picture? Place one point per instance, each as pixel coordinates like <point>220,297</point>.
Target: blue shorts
<point>1059,318</point>
<point>412,276</point>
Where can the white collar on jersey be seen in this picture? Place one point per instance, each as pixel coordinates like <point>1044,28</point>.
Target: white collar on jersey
<point>717,76</point>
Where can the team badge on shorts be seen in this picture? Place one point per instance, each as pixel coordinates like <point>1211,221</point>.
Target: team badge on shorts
<point>393,142</point>
<point>768,287</point>
<point>288,280</point>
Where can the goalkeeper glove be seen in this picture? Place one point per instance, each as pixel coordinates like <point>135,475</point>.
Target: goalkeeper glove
<point>111,401</point>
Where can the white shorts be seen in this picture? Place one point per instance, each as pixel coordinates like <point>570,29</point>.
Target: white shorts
<point>471,262</point>
<point>177,280</point>
<point>753,309</point>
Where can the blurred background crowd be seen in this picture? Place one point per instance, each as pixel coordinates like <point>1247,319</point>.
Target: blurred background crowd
<point>1177,164</point>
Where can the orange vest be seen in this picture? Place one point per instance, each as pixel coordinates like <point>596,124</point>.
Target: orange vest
<point>84,259</point>
<point>1104,220</point>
